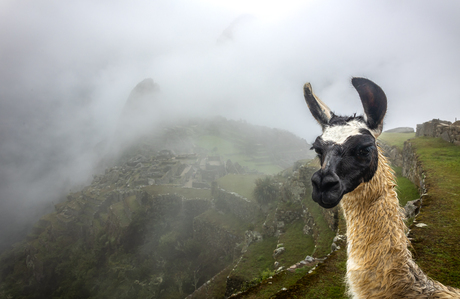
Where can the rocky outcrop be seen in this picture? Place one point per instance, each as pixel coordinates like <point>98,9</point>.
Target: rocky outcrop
<point>412,208</point>
<point>448,131</point>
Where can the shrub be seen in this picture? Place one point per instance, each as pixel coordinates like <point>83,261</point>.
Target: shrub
<point>266,190</point>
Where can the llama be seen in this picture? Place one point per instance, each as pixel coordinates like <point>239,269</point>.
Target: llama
<point>355,173</point>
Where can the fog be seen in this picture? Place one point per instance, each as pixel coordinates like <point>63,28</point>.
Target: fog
<point>68,67</point>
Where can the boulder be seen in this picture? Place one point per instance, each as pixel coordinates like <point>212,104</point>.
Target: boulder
<point>278,251</point>
<point>249,238</point>
<point>309,259</point>
<point>307,230</point>
<point>412,208</point>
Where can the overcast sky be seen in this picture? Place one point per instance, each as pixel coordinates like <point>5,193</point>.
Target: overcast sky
<point>67,68</point>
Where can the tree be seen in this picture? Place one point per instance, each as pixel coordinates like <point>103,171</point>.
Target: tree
<point>266,190</point>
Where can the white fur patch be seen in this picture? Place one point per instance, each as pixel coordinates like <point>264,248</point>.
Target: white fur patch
<point>338,134</point>
<point>351,267</point>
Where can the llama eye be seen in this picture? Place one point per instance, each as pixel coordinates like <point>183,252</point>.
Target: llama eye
<point>364,152</point>
<point>318,151</point>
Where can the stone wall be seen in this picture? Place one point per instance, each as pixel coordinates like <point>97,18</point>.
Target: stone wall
<point>412,168</point>
<point>448,131</point>
<point>393,153</point>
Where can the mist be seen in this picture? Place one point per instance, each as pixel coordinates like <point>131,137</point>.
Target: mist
<point>67,70</point>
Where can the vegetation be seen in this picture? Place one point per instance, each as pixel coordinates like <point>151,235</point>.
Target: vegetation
<point>266,190</point>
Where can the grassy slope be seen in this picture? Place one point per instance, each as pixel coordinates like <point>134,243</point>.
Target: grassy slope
<point>436,246</point>
<point>396,139</point>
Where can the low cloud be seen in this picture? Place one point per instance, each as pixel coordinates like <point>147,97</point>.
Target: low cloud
<point>67,69</point>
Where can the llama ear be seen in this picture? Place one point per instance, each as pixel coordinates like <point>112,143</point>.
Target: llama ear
<point>374,102</point>
<point>318,109</point>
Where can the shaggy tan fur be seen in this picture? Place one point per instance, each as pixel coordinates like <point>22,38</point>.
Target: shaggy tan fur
<point>379,263</point>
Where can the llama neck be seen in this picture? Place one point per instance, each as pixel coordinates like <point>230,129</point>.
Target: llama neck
<point>376,235</point>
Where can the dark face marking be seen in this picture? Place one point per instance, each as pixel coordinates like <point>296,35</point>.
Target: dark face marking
<point>343,167</point>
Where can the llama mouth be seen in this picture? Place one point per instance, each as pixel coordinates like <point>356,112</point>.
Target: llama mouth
<point>326,199</point>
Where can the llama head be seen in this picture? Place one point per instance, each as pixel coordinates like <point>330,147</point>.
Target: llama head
<point>347,147</point>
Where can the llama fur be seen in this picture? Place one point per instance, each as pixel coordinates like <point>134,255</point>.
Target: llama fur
<point>379,263</point>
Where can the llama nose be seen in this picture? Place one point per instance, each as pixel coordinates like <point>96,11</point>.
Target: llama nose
<point>330,182</point>
<point>324,183</point>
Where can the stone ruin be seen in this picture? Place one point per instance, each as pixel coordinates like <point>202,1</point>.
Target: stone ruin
<point>188,170</point>
<point>448,131</point>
